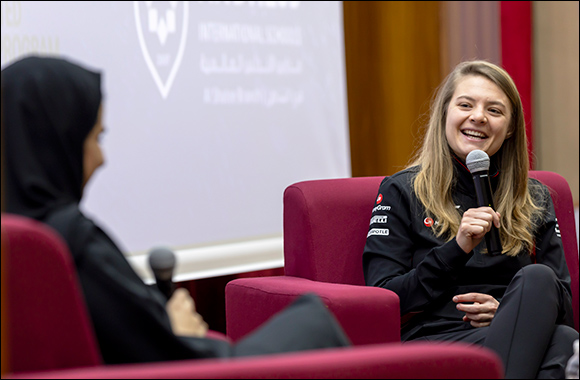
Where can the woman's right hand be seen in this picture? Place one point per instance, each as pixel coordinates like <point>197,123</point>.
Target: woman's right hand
<point>184,319</point>
<point>475,223</point>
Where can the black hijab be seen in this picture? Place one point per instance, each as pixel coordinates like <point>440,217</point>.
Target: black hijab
<point>49,106</point>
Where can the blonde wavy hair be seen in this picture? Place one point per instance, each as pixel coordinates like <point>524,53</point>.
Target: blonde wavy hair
<point>434,182</point>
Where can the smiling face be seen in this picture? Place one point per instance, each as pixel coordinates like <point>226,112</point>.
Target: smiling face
<point>478,117</point>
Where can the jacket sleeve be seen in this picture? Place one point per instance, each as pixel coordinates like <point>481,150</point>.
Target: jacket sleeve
<point>399,258</point>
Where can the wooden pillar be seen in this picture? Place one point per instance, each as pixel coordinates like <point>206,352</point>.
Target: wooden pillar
<point>392,56</point>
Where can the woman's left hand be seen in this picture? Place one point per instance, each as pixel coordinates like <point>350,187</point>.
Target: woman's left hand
<point>184,319</point>
<point>480,312</point>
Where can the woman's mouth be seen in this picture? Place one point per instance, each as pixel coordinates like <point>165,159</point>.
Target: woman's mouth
<point>474,134</point>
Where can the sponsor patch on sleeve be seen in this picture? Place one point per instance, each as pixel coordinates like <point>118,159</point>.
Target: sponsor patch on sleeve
<point>378,231</point>
<point>379,219</point>
<point>381,208</point>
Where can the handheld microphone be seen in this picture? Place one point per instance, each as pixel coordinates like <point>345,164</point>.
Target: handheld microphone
<point>477,162</point>
<point>162,263</point>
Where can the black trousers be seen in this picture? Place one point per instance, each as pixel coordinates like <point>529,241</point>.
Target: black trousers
<point>531,330</point>
<point>305,324</point>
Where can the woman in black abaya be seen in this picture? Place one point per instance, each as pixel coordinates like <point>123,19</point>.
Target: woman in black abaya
<point>53,118</point>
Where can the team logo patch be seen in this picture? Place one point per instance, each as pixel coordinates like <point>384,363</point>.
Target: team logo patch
<point>428,222</point>
<point>379,198</point>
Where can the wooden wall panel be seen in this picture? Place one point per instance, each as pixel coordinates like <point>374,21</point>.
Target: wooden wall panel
<point>393,67</point>
<point>556,89</point>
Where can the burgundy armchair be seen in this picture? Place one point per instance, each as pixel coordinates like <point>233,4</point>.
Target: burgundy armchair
<point>50,334</point>
<point>325,227</point>
<point>564,206</point>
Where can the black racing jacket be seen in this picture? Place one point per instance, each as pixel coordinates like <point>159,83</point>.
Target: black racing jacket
<point>402,254</point>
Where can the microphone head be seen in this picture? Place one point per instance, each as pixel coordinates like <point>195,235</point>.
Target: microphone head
<point>162,261</point>
<point>477,161</point>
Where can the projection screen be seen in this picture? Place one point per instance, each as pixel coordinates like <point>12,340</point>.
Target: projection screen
<point>212,108</point>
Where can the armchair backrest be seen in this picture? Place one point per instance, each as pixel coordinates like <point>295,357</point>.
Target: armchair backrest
<point>564,206</point>
<point>325,227</point>
<point>48,322</point>
<point>326,223</point>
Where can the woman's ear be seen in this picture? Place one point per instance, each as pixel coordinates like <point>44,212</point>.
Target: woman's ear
<point>509,134</point>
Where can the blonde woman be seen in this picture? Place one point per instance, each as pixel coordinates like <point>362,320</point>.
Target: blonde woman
<point>428,244</point>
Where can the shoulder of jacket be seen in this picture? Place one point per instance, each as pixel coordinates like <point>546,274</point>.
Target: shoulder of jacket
<point>402,178</point>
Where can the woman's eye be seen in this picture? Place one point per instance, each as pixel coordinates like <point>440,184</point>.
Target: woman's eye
<point>495,110</point>
<point>463,105</point>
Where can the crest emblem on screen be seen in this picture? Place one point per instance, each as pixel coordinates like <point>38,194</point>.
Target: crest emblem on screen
<point>162,32</point>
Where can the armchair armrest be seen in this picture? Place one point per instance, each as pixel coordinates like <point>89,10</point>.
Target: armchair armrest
<point>368,315</point>
<point>383,361</point>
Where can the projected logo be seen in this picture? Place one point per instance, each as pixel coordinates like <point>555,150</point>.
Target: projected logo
<point>162,31</point>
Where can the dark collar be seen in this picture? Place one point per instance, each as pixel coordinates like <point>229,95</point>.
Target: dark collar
<point>464,179</point>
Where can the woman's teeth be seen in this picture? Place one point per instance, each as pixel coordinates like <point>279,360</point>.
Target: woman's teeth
<point>475,134</point>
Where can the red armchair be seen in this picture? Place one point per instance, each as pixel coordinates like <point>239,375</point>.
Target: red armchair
<point>564,206</point>
<point>51,336</point>
<point>325,227</point>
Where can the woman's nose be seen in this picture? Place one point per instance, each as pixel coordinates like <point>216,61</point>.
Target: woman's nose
<point>478,116</point>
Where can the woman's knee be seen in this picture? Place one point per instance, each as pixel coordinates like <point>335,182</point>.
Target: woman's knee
<point>539,277</point>
<point>539,273</point>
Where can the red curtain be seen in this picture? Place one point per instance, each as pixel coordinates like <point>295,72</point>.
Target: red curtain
<point>516,53</point>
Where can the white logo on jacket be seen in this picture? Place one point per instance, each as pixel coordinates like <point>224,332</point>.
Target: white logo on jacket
<point>382,208</point>
<point>379,219</point>
<point>378,231</point>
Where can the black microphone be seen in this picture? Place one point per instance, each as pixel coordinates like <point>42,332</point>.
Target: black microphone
<point>162,263</point>
<point>477,162</point>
